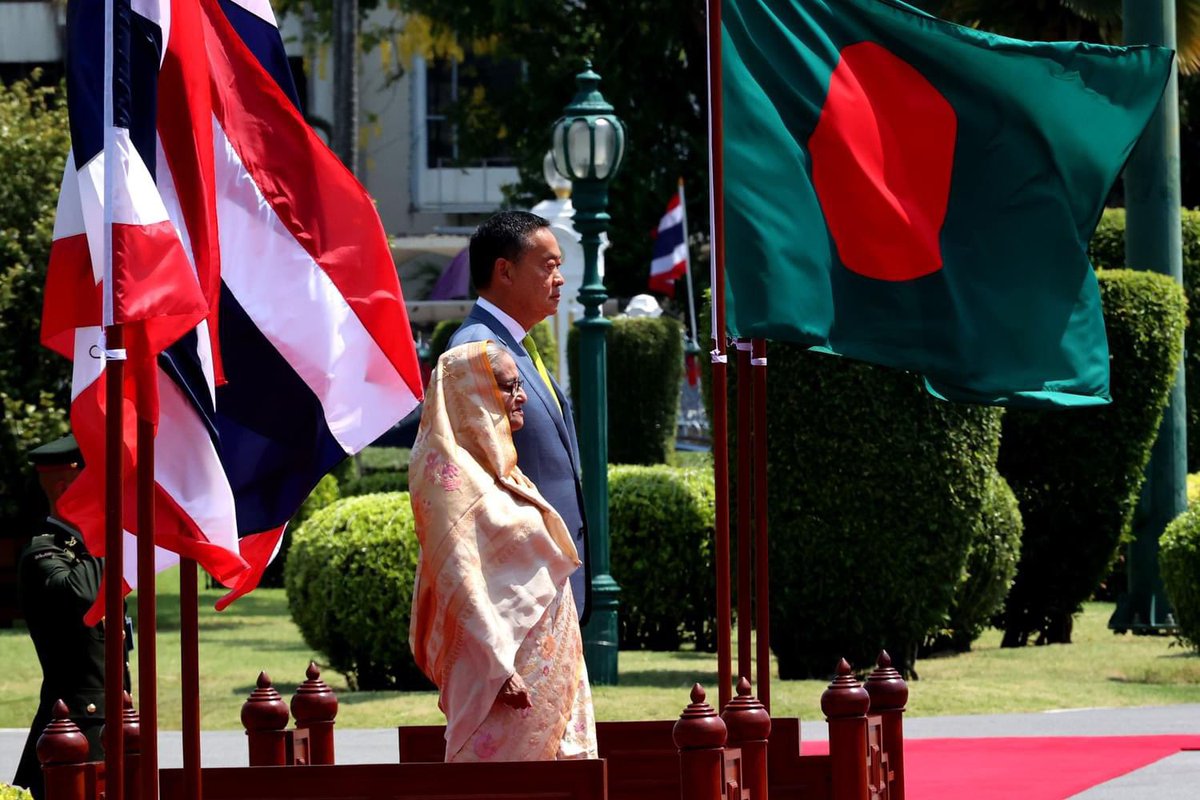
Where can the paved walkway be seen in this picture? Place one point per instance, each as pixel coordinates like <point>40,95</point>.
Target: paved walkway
<point>1174,778</point>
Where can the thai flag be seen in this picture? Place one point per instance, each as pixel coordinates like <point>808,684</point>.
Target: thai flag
<point>669,260</point>
<point>284,347</point>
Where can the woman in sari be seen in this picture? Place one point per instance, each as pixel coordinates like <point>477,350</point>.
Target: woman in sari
<point>493,623</point>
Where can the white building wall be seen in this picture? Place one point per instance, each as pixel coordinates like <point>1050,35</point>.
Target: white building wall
<point>30,31</point>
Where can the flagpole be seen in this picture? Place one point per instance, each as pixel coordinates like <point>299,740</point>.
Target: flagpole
<point>716,183</point>
<point>745,484</point>
<point>687,270</point>
<point>189,630</point>
<point>114,372</point>
<point>762,578</point>
<point>147,604</point>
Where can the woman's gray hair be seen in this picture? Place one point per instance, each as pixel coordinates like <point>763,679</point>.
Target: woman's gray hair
<point>495,354</point>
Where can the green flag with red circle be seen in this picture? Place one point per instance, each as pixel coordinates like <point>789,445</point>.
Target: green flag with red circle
<point>913,193</point>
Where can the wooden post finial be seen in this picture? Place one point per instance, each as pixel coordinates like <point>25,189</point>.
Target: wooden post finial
<point>62,742</point>
<point>699,727</point>
<point>313,701</point>
<point>845,696</point>
<point>264,710</point>
<point>886,686</point>
<point>745,717</point>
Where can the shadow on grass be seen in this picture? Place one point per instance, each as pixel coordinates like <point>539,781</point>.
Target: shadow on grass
<point>667,678</point>
<point>251,606</point>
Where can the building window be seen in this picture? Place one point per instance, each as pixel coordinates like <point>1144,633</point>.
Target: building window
<point>447,82</point>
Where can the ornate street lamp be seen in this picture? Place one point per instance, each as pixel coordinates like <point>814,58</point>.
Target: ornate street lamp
<point>589,141</point>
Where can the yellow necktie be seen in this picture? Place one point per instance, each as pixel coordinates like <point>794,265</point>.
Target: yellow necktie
<point>531,348</point>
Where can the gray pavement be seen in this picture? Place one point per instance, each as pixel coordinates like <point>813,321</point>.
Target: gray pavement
<point>1173,778</point>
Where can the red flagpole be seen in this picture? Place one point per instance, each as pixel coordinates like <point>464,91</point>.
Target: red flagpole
<point>720,424</point>
<point>114,607</point>
<point>189,614</point>
<point>147,603</point>
<point>746,444</point>
<point>762,577</point>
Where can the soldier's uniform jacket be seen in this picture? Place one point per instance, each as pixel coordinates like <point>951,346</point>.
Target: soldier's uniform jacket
<point>59,580</point>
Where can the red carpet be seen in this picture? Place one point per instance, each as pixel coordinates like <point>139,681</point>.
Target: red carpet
<point>1027,768</point>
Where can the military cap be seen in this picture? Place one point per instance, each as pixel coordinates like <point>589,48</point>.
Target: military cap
<point>57,453</point>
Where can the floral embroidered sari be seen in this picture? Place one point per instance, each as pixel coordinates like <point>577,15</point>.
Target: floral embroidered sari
<point>492,596</point>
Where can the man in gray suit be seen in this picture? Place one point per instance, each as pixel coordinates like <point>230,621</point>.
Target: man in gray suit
<point>515,263</point>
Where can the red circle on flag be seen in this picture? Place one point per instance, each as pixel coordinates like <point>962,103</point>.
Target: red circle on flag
<point>882,155</point>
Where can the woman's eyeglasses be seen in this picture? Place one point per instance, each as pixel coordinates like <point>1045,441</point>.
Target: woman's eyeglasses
<point>512,387</point>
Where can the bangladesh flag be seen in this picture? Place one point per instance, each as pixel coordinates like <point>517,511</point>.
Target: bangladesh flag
<point>913,193</point>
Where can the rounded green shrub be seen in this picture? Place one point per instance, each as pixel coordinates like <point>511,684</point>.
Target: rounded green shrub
<point>1179,563</point>
<point>1107,250</point>
<point>991,567</point>
<point>661,529</point>
<point>645,367</point>
<point>349,580</point>
<point>1077,473</point>
<point>13,793</point>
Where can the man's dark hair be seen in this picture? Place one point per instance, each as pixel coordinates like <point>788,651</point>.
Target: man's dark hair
<point>502,235</point>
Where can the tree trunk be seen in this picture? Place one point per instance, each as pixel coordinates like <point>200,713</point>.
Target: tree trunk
<point>345,82</point>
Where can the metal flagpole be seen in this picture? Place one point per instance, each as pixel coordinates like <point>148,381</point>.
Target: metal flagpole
<point>147,604</point>
<point>687,270</point>
<point>116,23</point>
<point>720,422</point>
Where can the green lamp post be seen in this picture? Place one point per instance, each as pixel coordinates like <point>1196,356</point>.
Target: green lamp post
<point>589,141</point>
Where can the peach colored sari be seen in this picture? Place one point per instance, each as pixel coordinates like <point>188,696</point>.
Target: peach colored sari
<point>492,596</point>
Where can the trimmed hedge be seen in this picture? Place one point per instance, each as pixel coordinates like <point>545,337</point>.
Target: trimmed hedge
<point>645,367</point>
<point>875,493</point>
<point>13,793</point>
<point>349,582</point>
<point>1077,474</point>
<point>324,493</point>
<point>376,482</point>
<point>1107,250</point>
<point>543,336</point>
<point>991,567</point>
<point>661,528</point>
<point>1179,562</point>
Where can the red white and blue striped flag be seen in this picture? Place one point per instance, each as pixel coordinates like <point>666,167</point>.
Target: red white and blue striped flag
<point>250,271</point>
<point>669,259</point>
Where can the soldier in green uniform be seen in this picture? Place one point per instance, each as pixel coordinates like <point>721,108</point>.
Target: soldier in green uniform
<point>59,581</point>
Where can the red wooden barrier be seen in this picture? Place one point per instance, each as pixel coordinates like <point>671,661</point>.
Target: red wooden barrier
<point>749,726</point>
<point>315,706</point>
<point>889,696</point>
<point>845,704</point>
<point>265,718</point>
<point>700,737</point>
<point>584,779</point>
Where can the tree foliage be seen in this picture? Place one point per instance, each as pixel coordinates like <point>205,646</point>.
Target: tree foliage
<point>34,139</point>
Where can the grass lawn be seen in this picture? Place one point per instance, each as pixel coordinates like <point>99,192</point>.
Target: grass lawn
<point>1099,669</point>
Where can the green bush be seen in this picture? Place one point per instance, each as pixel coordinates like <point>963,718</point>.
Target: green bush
<point>376,482</point>
<point>991,567</point>
<point>543,337</point>
<point>1107,250</point>
<point>34,383</point>
<point>349,580</point>
<point>645,367</point>
<point>875,491</point>
<point>1179,562</point>
<point>13,793</point>
<point>1077,474</point>
<point>324,493</point>
<point>661,527</point>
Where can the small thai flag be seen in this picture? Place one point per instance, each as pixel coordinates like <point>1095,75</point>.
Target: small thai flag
<point>669,261</point>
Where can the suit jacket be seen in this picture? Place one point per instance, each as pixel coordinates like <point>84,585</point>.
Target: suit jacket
<point>547,449</point>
